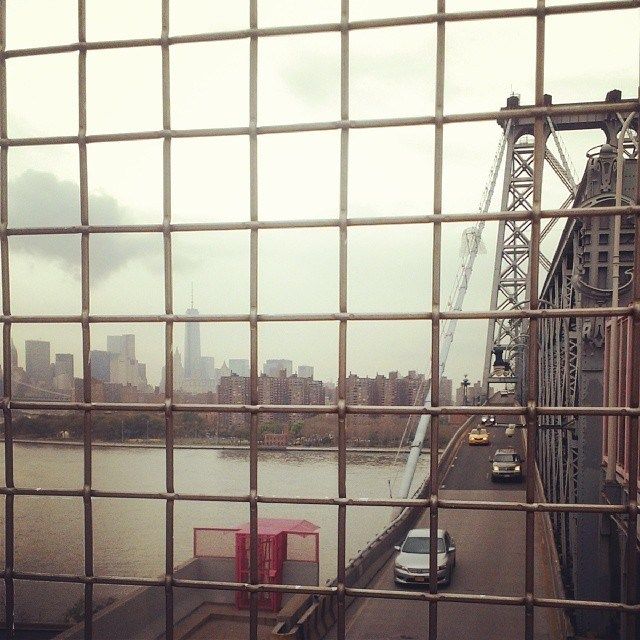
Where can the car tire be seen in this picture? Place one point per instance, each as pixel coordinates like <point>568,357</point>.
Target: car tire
<point>447,581</point>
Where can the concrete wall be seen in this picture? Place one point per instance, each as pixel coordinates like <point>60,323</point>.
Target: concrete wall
<point>218,570</point>
<point>295,572</point>
<point>141,615</point>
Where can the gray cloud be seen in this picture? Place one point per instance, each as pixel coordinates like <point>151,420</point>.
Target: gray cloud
<point>40,199</point>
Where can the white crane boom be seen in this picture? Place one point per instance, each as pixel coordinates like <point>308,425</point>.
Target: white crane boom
<point>456,300</point>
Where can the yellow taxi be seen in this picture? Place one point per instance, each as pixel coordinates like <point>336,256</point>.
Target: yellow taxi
<point>478,436</point>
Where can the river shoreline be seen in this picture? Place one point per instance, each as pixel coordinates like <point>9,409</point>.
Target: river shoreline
<point>215,447</point>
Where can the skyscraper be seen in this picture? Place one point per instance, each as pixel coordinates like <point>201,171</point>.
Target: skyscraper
<point>209,373</point>
<point>123,364</point>
<point>64,364</point>
<point>100,365</point>
<point>446,391</point>
<point>274,367</point>
<point>305,371</point>
<point>208,366</point>
<point>63,371</point>
<point>192,350</point>
<point>124,345</point>
<point>239,366</point>
<point>38,359</point>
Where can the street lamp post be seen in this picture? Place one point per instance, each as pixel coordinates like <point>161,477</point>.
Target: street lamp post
<point>465,385</point>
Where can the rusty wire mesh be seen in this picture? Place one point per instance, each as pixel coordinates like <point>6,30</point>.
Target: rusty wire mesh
<point>531,412</point>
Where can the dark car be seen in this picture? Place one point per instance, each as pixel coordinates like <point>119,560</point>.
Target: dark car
<point>507,464</point>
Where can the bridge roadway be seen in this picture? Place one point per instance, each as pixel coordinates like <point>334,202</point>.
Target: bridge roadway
<point>490,558</point>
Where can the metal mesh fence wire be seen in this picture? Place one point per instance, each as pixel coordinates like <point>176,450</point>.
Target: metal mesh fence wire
<point>531,412</point>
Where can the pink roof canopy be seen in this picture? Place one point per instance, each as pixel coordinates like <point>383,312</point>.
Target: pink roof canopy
<point>274,526</point>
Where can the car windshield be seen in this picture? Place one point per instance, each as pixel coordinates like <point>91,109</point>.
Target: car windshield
<point>421,545</point>
<point>506,457</point>
<point>482,432</point>
<point>475,432</point>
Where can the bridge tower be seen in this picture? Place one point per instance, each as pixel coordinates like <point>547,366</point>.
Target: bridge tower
<point>510,288</point>
<point>511,267</point>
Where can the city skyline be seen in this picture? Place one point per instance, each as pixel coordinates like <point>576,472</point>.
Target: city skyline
<point>388,269</point>
<point>125,345</point>
<point>118,365</point>
<point>201,370</point>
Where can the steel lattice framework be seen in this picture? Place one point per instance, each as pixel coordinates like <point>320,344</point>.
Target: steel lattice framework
<point>511,271</point>
<point>571,355</point>
<point>511,277</point>
<point>558,382</point>
<point>530,217</point>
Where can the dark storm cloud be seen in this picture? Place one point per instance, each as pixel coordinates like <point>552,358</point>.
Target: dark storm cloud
<point>40,199</point>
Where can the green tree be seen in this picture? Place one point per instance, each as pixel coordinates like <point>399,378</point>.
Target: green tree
<point>296,429</point>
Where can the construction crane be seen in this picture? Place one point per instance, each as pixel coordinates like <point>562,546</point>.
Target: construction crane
<point>472,236</point>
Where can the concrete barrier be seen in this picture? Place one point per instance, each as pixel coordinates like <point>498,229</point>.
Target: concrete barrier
<point>317,614</point>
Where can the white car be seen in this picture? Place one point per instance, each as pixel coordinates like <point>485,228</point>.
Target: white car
<point>412,563</point>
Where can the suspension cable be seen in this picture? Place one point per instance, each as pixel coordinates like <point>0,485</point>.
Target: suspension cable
<point>569,168</point>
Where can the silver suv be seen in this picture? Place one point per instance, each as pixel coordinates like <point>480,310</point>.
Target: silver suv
<point>506,465</point>
<point>412,563</point>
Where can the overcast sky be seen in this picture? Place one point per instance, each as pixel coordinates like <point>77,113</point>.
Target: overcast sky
<point>390,170</point>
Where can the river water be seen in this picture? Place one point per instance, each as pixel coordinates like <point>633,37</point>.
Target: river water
<point>129,534</point>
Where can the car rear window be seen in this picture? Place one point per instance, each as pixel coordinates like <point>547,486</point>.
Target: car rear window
<point>419,544</point>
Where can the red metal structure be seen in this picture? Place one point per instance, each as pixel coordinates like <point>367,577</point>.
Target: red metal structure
<point>273,536</point>
<point>279,540</point>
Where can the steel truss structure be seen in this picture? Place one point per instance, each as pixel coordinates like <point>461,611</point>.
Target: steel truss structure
<point>511,275</point>
<point>533,313</point>
<point>571,365</point>
<point>511,271</point>
<point>557,453</point>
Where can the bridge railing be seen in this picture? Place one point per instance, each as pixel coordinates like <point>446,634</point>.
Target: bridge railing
<point>561,621</point>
